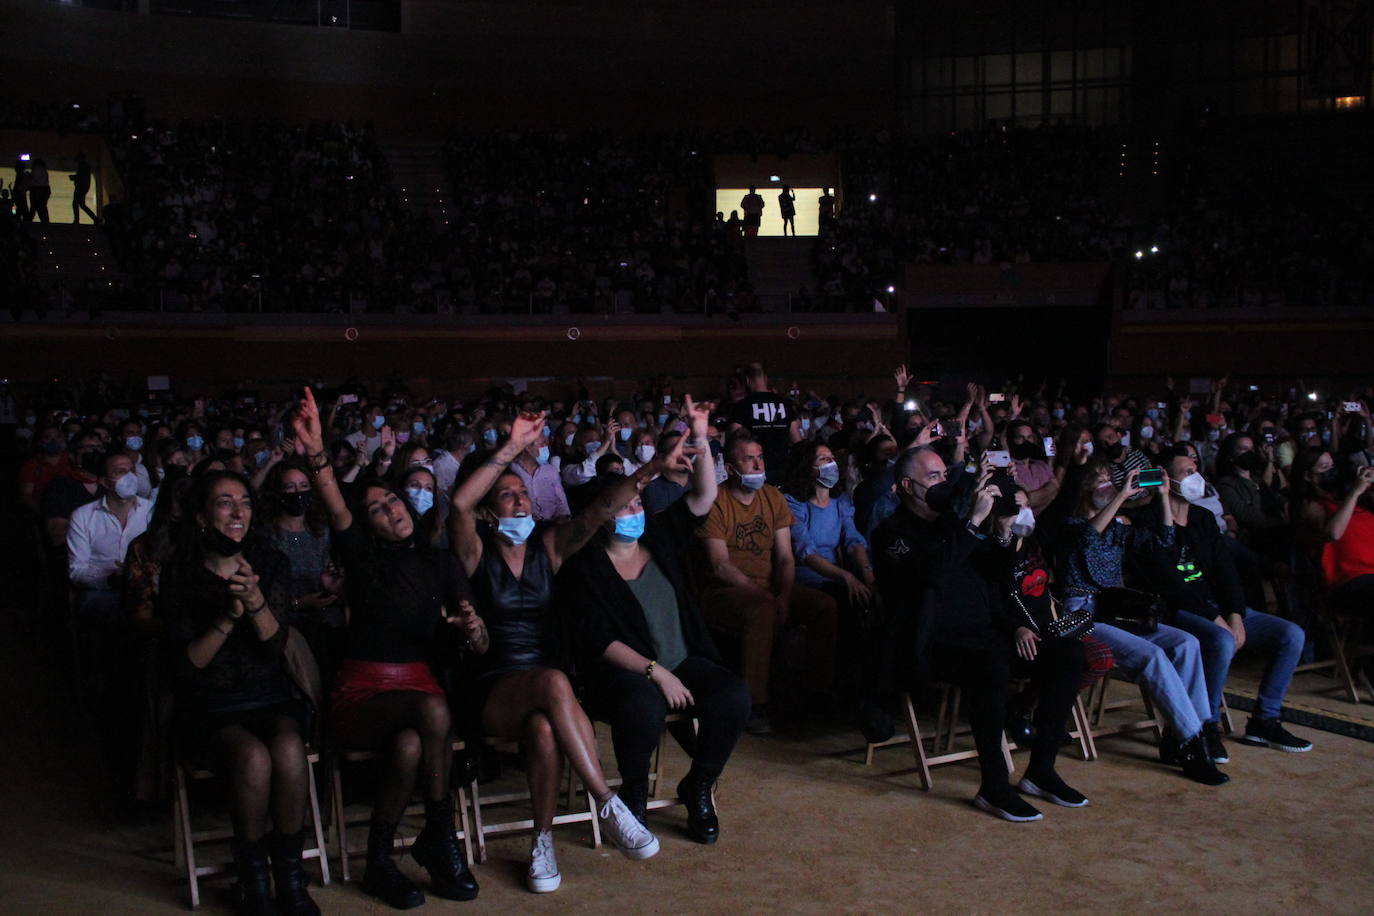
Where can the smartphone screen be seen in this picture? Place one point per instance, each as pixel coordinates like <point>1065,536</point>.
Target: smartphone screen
<point>1150,477</point>
<point>999,458</point>
<point>1048,444</point>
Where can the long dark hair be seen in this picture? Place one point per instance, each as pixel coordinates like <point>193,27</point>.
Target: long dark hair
<point>799,482</point>
<point>188,552</point>
<point>1300,489</point>
<point>267,508</point>
<point>367,582</point>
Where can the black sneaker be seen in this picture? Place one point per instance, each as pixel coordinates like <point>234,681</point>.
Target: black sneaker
<point>1271,733</point>
<point>1053,789</point>
<point>1198,766</point>
<point>758,722</point>
<point>1170,751</point>
<point>1211,737</point>
<point>1007,805</point>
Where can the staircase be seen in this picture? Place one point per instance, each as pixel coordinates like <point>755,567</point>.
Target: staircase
<point>418,175</point>
<point>778,268</point>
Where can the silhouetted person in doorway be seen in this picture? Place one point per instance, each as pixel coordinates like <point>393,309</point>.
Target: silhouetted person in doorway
<point>752,205</point>
<point>787,203</point>
<point>81,186</point>
<point>39,190</point>
<point>827,208</point>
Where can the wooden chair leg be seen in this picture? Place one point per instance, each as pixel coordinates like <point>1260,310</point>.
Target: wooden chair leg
<point>956,700</point>
<point>339,827</point>
<point>315,819</point>
<point>660,766</point>
<point>1086,744</point>
<point>479,835</point>
<point>463,824</point>
<point>1150,715</point>
<point>1006,752</point>
<point>596,821</point>
<point>1225,720</point>
<point>918,749</point>
<point>188,847</point>
<point>1339,634</point>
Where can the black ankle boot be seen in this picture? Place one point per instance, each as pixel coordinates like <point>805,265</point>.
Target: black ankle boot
<point>695,793</point>
<point>635,795</point>
<point>436,848</point>
<point>255,882</point>
<point>382,878</point>
<point>292,897</point>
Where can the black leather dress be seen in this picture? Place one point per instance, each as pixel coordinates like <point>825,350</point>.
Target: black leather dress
<point>517,613</point>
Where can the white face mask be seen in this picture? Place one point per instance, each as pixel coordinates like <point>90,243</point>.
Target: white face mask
<point>1088,448</point>
<point>1024,523</point>
<point>1147,432</point>
<point>1193,487</point>
<point>644,453</point>
<point>126,487</point>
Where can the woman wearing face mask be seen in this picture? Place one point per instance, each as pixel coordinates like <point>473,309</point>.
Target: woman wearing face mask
<point>646,649</point>
<point>1168,662</point>
<point>832,557</point>
<point>224,595</point>
<point>520,692</point>
<point>194,442</point>
<point>1339,528</point>
<point>1147,437</point>
<point>424,496</point>
<point>643,450</point>
<point>1049,652</point>
<point>404,597</point>
<point>1072,449</point>
<point>293,522</point>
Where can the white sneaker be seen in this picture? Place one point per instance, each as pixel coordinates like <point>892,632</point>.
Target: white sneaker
<point>624,830</point>
<point>543,876</point>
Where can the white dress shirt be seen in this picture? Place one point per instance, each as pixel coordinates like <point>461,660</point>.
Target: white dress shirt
<point>96,542</point>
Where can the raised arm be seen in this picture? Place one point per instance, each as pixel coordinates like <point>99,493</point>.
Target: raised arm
<point>462,520</point>
<point>570,537</point>
<point>702,495</point>
<point>310,443</point>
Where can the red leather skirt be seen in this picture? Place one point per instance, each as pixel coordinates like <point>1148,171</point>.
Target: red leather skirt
<point>358,681</point>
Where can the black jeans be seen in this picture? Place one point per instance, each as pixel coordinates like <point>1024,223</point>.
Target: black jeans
<point>635,709</point>
<point>982,675</point>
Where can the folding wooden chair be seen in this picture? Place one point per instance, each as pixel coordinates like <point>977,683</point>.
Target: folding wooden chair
<point>942,741</point>
<point>481,830</point>
<point>186,838</point>
<point>342,820</point>
<point>657,771</point>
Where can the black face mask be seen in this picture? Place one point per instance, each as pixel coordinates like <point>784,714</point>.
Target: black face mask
<point>940,496</point>
<point>90,462</point>
<point>218,542</point>
<point>1250,461</point>
<point>172,472</point>
<point>1114,452</point>
<point>1328,479</point>
<point>298,503</point>
<point>1022,451</point>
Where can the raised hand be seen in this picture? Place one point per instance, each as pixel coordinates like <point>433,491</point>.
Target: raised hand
<point>902,377</point>
<point>306,423</point>
<point>1015,407</point>
<point>527,428</point>
<point>698,418</point>
<point>388,446</point>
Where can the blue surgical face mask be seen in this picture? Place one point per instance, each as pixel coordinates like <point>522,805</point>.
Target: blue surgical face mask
<point>753,481</point>
<point>402,437</point>
<point>568,439</point>
<point>421,499</point>
<point>195,443</point>
<point>1058,413</point>
<point>378,422</point>
<point>1152,413</point>
<point>543,457</point>
<point>546,431</point>
<point>805,423</point>
<point>592,447</point>
<point>629,527</point>
<point>516,530</point>
<point>238,442</point>
<point>828,474</point>
<point>133,443</point>
<point>625,434</point>
<point>418,427</point>
<point>490,436</point>
<point>662,419</point>
<point>262,457</point>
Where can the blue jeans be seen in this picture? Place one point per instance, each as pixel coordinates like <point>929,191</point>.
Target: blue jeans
<point>1281,640</point>
<point>1167,663</point>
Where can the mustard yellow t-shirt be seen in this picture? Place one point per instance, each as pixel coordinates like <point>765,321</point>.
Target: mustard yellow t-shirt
<point>748,530</point>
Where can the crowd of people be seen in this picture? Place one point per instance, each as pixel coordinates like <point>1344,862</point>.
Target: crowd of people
<point>263,216</point>
<point>507,565</point>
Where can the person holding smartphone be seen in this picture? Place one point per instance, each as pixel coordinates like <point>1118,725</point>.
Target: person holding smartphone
<point>1029,469</point>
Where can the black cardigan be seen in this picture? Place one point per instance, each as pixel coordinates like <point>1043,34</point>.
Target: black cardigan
<point>604,608</point>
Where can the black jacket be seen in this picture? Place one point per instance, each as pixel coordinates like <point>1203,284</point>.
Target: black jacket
<point>604,609</point>
<point>1196,572</point>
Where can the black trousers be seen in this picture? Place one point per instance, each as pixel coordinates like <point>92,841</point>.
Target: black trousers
<point>635,709</point>
<point>982,675</point>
